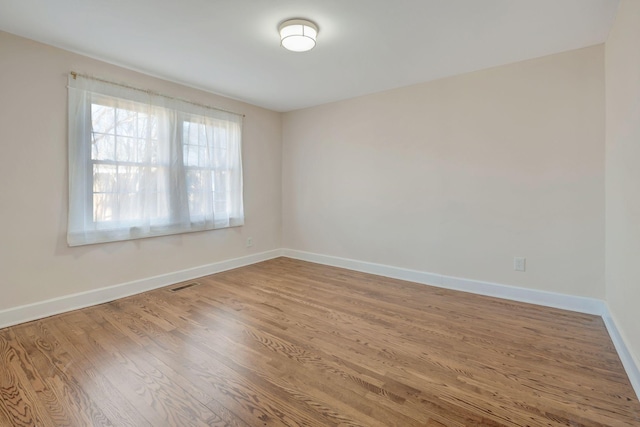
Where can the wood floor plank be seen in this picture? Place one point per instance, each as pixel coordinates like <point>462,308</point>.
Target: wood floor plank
<point>321,364</point>
<point>59,348</point>
<point>441,363</point>
<point>221,372</point>
<point>19,402</point>
<point>245,366</point>
<point>66,401</point>
<point>159,391</point>
<point>289,343</point>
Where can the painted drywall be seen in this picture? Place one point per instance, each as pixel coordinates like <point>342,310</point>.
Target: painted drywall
<point>622,68</point>
<point>458,176</point>
<point>35,262</point>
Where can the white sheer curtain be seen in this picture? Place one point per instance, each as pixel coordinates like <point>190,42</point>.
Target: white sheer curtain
<point>144,165</point>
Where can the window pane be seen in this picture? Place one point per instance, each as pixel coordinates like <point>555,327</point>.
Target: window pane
<point>159,207</point>
<point>154,151</point>
<point>103,147</point>
<point>126,149</point>
<point>194,180</point>
<point>190,154</point>
<point>196,184</point>
<point>220,205</point>
<point>220,158</point>
<point>129,178</point>
<point>143,127</point>
<point>220,181</point>
<point>186,132</point>
<point>104,206</point>
<point>104,178</point>
<point>126,121</point>
<point>129,206</point>
<point>103,118</point>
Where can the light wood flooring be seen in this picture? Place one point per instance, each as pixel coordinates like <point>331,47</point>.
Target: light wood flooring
<point>287,342</point>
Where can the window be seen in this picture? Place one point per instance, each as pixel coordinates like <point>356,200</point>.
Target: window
<point>144,165</point>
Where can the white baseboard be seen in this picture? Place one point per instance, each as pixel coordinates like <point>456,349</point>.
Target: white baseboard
<point>39,310</point>
<point>544,298</point>
<point>628,361</point>
<point>547,299</point>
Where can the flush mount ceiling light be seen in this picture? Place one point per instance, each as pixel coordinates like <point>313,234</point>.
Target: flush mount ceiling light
<point>298,35</point>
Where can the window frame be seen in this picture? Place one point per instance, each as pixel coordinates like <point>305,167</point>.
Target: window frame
<point>84,226</point>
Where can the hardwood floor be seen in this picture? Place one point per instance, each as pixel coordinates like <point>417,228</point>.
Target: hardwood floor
<point>286,342</point>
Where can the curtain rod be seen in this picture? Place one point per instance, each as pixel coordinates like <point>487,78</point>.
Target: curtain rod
<point>150,92</point>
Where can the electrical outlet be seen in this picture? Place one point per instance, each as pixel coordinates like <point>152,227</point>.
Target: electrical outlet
<point>249,242</point>
<point>519,263</point>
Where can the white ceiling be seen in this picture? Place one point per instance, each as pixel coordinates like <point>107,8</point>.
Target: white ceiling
<point>232,47</point>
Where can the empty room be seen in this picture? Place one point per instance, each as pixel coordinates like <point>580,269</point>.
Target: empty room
<point>320,213</point>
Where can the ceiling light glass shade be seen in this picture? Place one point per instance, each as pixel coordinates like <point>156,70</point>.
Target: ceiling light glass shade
<point>298,35</point>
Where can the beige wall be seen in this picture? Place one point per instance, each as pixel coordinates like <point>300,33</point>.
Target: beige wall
<point>623,174</point>
<point>459,175</point>
<point>452,177</point>
<point>35,262</point>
